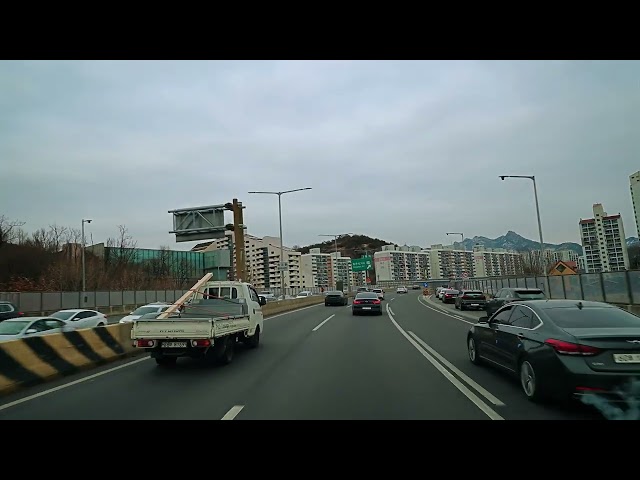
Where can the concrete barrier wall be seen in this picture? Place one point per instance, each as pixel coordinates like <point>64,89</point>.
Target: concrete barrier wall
<point>35,360</point>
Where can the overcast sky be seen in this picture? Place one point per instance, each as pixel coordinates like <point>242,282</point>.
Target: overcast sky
<point>404,151</point>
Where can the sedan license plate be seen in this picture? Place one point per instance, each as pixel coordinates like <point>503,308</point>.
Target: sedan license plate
<point>626,357</point>
<point>475,304</point>
<point>174,344</point>
<point>366,308</point>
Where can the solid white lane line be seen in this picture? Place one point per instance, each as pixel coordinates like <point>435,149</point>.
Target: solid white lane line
<point>390,310</point>
<point>233,412</point>
<point>75,382</point>
<point>323,322</point>
<point>486,409</point>
<point>445,313</point>
<point>479,388</point>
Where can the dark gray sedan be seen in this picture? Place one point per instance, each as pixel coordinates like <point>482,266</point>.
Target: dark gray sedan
<point>562,348</point>
<point>366,302</point>
<point>336,298</point>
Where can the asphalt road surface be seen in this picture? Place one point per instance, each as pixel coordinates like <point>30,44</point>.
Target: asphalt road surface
<point>316,363</point>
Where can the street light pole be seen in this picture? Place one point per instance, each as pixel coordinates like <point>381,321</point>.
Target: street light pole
<point>84,273</point>
<point>535,194</point>
<point>282,264</point>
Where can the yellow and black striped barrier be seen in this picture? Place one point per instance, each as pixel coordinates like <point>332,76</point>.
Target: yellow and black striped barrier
<point>34,360</point>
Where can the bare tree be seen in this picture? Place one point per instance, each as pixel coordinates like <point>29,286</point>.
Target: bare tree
<point>8,229</point>
<point>57,236</point>
<point>125,248</point>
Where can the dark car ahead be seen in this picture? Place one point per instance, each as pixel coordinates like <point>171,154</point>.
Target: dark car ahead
<point>561,348</point>
<point>9,310</point>
<point>366,302</point>
<point>335,298</point>
<point>473,299</point>
<point>508,295</point>
<point>449,295</point>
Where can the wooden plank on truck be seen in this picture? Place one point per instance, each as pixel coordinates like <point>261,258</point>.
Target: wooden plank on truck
<point>184,297</point>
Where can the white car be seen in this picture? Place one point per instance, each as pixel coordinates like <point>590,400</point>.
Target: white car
<point>304,294</point>
<point>79,318</point>
<point>140,311</point>
<point>24,327</point>
<point>380,293</point>
<point>402,290</point>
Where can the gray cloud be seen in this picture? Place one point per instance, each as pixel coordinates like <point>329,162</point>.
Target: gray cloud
<point>403,151</point>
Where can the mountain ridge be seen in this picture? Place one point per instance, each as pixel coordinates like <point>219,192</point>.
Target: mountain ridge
<point>353,245</point>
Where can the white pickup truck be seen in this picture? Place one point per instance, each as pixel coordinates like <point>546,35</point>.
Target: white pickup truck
<point>218,315</point>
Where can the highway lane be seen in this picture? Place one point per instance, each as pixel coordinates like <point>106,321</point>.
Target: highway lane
<point>141,390</point>
<point>316,363</point>
<point>356,368</point>
<point>445,333</point>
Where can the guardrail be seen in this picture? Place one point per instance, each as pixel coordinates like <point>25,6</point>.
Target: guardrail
<point>621,288</point>
<point>45,303</point>
<point>34,360</point>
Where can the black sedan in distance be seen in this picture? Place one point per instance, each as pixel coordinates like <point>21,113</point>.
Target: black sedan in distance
<point>561,349</point>
<point>336,298</point>
<point>366,302</point>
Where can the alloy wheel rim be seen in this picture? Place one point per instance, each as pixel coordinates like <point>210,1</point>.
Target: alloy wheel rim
<point>528,379</point>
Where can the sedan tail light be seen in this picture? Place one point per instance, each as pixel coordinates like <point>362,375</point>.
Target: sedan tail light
<point>377,302</point>
<point>567,348</point>
<point>357,302</point>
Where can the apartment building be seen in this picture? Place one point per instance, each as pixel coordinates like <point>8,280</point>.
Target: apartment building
<point>634,186</point>
<point>262,260</point>
<point>603,242</point>
<point>326,269</point>
<point>447,262</point>
<point>401,264</point>
<point>496,262</point>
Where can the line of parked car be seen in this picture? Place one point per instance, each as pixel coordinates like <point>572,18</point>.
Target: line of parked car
<point>477,300</point>
<point>14,324</point>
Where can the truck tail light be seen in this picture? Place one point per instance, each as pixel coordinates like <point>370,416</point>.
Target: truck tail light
<point>203,342</point>
<point>143,343</point>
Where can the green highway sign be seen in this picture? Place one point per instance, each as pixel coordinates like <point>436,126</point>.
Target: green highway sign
<point>361,264</point>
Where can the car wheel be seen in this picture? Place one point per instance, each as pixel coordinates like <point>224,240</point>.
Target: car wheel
<point>473,351</point>
<point>530,382</point>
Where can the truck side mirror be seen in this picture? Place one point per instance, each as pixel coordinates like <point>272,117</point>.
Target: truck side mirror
<point>263,301</point>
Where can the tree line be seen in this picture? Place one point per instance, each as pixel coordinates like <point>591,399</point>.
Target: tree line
<point>50,259</point>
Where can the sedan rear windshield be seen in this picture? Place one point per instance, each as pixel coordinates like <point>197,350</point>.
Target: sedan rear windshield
<point>367,295</point>
<point>530,294</point>
<point>593,317</point>
<point>335,294</point>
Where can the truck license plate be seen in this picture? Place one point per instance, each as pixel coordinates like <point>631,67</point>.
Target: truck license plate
<point>174,344</point>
